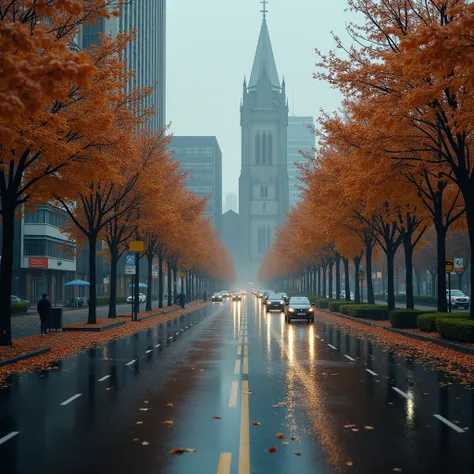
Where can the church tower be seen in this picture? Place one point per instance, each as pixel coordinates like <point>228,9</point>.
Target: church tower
<point>263,183</point>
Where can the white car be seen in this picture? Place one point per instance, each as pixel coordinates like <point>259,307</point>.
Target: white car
<point>141,298</point>
<point>458,298</point>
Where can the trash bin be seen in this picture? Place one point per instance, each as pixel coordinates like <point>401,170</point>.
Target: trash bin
<point>56,318</point>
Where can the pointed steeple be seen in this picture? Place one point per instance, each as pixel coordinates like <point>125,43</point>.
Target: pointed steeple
<point>264,60</point>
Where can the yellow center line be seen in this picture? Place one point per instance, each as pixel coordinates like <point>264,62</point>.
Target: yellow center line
<point>245,368</point>
<point>240,340</point>
<point>239,350</point>
<point>246,340</point>
<point>234,390</point>
<point>244,454</point>
<point>237,367</point>
<point>246,351</point>
<point>224,463</point>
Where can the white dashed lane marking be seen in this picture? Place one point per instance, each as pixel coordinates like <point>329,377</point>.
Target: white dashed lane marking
<point>9,436</point>
<point>105,377</point>
<point>349,357</point>
<point>371,372</point>
<point>69,400</point>
<point>131,362</point>
<point>402,393</point>
<point>332,347</point>
<point>448,423</point>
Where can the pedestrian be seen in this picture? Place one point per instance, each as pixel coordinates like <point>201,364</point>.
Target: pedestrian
<point>44,308</point>
<point>182,299</point>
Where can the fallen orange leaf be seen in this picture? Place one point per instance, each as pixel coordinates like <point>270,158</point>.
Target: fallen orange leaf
<point>349,463</point>
<point>177,451</point>
<point>272,449</point>
<point>280,436</point>
<point>285,443</point>
<point>368,427</point>
<point>139,422</point>
<point>456,422</point>
<point>256,423</point>
<point>170,405</point>
<point>216,417</point>
<point>145,443</point>
<point>168,422</point>
<point>294,438</point>
<point>396,469</point>
<point>298,453</point>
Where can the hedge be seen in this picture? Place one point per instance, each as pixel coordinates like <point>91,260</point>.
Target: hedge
<point>368,311</point>
<point>456,329</point>
<point>405,318</point>
<point>323,303</point>
<point>344,308</point>
<point>19,307</point>
<point>427,321</point>
<point>335,305</point>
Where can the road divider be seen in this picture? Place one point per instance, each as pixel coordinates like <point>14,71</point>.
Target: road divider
<point>234,390</point>
<point>237,367</point>
<point>225,462</point>
<point>244,452</point>
<point>239,350</point>
<point>245,368</point>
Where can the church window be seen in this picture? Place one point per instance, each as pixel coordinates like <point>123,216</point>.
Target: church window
<point>263,191</point>
<point>264,148</point>
<point>257,148</point>
<point>270,148</point>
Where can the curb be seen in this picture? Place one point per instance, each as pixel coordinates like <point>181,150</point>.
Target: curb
<point>95,329</point>
<point>29,355</point>
<point>420,337</point>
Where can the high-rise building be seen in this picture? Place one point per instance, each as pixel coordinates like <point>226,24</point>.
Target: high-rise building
<point>230,203</point>
<point>201,157</point>
<point>146,54</point>
<point>300,139</point>
<point>230,235</point>
<point>263,183</point>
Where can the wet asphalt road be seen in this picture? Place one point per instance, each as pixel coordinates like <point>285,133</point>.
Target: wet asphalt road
<point>232,361</point>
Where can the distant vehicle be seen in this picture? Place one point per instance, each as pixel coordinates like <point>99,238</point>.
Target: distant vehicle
<point>17,299</point>
<point>260,292</point>
<point>265,295</point>
<point>141,298</point>
<point>275,301</point>
<point>237,296</point>
<point>225,294</point>
<point>299,307</point>
<point>458,298</point>
<point>216,298</point>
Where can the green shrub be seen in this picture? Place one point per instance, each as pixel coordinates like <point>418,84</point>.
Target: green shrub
<point>323,303</point>
<point>344,308</point>
<point>427,321</point>
<point>404,318</point>
<point>313,299</point>
<point>335,305</point>
<point>19,307</point>
<point>456,329</point>
<point>368,311</point>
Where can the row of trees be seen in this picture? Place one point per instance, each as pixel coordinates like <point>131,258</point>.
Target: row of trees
<point>396,160</point>
<point>72,133</point>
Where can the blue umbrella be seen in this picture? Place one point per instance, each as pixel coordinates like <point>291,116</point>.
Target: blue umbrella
<point>77,283</point>
<point>140,285</point>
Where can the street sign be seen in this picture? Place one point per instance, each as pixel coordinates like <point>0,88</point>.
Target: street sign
<point>459,265</point>
<point>361,275</point>
<point>106,280</point>
<point>449,265</point>
<point>182,274</point>
<point>379,276</point>
<point>136,246</point>
<point>130,263</point>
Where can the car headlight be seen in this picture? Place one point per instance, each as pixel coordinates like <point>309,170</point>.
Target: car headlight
<point>311,309</point>
<point>282,302</point>
<point>269,302</point>
<point>291,310</point>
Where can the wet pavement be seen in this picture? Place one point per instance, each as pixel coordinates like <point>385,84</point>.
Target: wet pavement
<point>28,324</point>
<point>342,404</point>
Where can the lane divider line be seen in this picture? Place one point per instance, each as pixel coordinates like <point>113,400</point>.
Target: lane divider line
<point>148,351</point>
<point>158,345</point>
<point>9,436</point>
<point>237,367</point>
<point>446,422</point>
<point>371,372</point>
<point>105,377</point>
<point>349,357</point>
<point>69,400</point>
<point>244,451</point>
<point>332,347</point>
<point>239,350</point>
<point>170,338</point>
<point>225,461</point>
<point>246,340</point>
<point>402,393</point>
<point>131,362</point>
<point>246,351</point>
<point>245,368</point>
<point>234,390</point>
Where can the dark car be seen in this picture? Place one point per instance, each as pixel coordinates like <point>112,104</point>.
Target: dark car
<point>216,298</point>
<point>237,296</point>
<point>275,301</point>
<point>299,307</point>
<point>265,295</point>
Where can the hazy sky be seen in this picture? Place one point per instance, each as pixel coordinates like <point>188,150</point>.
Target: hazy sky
<point>211,46</point>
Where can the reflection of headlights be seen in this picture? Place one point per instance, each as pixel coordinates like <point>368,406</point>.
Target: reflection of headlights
<point>291,310</point>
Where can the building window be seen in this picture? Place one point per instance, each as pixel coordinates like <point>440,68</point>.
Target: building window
<point>48,248</point>
<point>264,192</point>
<point>264,148</point>
<point>270,148</point>
<point>45,215</point>
<point>269,238</point>
<point>257,148</point>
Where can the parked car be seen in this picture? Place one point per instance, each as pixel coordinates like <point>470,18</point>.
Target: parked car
<point>141,298</point>
<point>458,298</point>
<point>275,301</point>
<point>216,298</point>
<point>299,307</point>
<point>17,299</point>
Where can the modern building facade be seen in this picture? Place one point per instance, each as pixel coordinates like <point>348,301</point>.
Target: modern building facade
<point>201,157</point>
<point>301,141</point>
<point>230,203</point>
<point>230,235</point>
<point>263,183</point>
<point>146,54</point>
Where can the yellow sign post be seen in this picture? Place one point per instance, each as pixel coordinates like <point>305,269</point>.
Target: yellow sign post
<point>361,275</point>
<point>136,246</point>
<point>449,265</point>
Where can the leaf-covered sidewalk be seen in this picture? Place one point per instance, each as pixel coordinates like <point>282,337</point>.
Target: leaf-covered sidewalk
<point>435,357</point>
<point>64,344</point>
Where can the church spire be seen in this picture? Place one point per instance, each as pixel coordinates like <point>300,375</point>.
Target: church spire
<point>264,58</point>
